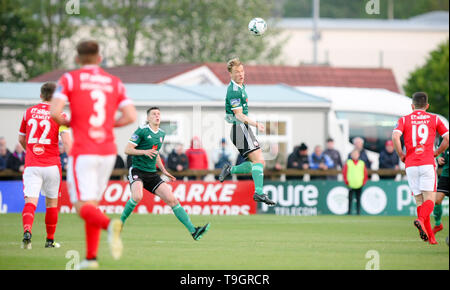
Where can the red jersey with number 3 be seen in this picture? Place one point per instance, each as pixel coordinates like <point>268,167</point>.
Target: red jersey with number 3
<point>94,96</point>
<point>419,132</point>
<point>41,135</point>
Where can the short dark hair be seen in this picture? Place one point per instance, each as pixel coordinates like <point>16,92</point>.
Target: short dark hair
<point>152,108</point>
<point>47,90</point>
<point>88,51</point>
<point>420,100</point>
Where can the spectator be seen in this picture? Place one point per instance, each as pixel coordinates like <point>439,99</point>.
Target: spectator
<point>63,156</point>
<point>177,160</point>
<point>5,154</point>
<point>388,159</point>
<point>277,160</point>
<point>358,142</point>
<point>222,156</point>
<point>320,161</point>
<point>120,164</point>
<point>298,159</point>
<point>335,156</point>
<point>197,157</point>
<point>355,177</point>
<point>17,160</point>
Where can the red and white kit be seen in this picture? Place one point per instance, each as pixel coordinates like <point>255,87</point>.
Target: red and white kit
<point>94,96</point>
<point>42,163</point>
<point>419,132</point>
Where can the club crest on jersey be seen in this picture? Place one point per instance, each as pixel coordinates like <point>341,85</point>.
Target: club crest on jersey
<point>38,149</point>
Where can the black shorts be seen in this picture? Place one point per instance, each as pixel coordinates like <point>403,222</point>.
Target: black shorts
<point>244,139</point>
<point>150,180</point>
<point>443,185</point>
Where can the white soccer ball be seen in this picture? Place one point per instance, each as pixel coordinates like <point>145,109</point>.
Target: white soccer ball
<point>257,26</point>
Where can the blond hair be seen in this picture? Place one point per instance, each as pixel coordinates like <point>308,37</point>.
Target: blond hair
<point>233,62</point>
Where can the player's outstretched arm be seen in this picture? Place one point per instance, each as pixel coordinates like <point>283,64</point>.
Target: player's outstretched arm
<point>163,169</point>
<point>128,116</point>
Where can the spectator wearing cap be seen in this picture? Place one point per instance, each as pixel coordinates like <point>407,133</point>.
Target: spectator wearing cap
<point>388,159</point>
<point>298,159</point>
<point>335,156</point>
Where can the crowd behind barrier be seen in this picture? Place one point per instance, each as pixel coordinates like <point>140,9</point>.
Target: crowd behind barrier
<point>192,164</point>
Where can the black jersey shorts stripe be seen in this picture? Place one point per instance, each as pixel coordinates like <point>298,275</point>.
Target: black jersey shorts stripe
<point>244,139</point>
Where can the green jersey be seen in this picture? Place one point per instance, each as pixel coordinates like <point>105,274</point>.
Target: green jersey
<point>145,138</point>
<point>445,168</point>
<point>236,98</point>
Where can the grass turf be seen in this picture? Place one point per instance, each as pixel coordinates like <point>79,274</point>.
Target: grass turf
<point>258,242</point>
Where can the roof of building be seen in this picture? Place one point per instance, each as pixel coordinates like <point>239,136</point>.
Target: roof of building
<point>255,74</point>
<point>172,95</point>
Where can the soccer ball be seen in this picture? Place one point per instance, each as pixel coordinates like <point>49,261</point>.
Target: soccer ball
<point>257,26</point>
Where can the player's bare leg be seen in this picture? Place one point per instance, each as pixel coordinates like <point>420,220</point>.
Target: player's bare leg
<point>166,194</point>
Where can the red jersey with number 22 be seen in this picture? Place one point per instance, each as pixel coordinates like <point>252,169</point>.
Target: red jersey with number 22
<point>94,96</point>
<point>41,135</point>
<point>419,132</point>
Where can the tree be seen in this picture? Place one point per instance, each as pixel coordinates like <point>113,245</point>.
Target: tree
<point>205,30</point>
<point>433,79</point>
<point>130,20</point>
<point>31,34</point>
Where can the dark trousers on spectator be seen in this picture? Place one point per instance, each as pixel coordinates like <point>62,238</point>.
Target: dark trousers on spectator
<point>356,192</point>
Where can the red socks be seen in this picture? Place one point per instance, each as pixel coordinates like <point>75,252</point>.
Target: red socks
<point>95,220</point>
<point>425,212</point>
<point>51,219</point>
<point>28,216</point>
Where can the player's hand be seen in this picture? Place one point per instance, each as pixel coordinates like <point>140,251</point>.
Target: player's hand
<point>441,161</point>
<point>402,158</point>
<point>171,177</point>
<point>261,127</point>
<point>150,153</point>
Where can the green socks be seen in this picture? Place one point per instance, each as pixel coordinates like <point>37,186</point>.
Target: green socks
<point>183,217</point>
<point>257,171</point>
<point>129,207</point>
<point>245,167</point>
<point>437,212</point>
<point>258,177</point>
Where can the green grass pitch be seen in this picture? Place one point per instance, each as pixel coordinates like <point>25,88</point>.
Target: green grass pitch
<point>258,242</point>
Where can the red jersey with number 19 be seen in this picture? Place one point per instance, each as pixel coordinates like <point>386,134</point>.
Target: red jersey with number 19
<point>41,135</point>
<point>419,132</point>
<point>94,96</point>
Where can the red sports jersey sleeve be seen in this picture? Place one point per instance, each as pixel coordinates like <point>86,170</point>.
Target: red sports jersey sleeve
<point>41,137</point>
<point>94,97</point>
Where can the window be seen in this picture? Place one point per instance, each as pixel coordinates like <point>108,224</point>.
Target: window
<point>374,128</point>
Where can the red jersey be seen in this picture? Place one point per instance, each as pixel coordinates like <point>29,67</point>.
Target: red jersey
<point>419,132</point>
<point>94,96</point>
<point>41,135</point>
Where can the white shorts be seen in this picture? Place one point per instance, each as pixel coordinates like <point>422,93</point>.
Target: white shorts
<point>88,176</point>
<point>422,178</point>
<point>45,180</point>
